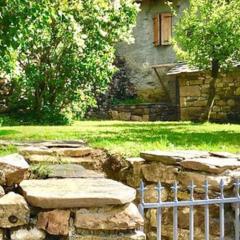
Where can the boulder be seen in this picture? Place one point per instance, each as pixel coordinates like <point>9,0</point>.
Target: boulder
<point>109,218</point>
<point>122,236</point>
<point>172,157</point>
<point>72,171</point>
<point>76,193</point>
<point>211,164</point>
<point>155,172</point>
<point>14,211</point>
<point>25,234</point>
<point>13,169</point>
<point>55,222</point>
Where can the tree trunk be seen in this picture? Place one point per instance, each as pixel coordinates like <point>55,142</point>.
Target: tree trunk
<point>212,90</point>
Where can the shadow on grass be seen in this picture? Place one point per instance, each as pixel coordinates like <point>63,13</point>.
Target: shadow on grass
<point>8,132</point>
<point>177,134</point>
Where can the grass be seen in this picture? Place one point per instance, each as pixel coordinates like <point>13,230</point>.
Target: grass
<point>129,138</point>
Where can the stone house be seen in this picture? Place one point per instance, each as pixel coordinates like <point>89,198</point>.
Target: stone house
<point>158,80</point>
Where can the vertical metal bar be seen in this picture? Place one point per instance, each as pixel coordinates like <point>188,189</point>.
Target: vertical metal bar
<point>141,205</point>
<point>175,211</point>
<point>159,211</point>
<point>191,213</point>
<point>222,230</point>
<point>206,211</point>
<point>237,211</point>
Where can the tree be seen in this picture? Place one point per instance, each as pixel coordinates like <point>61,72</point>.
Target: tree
<point>208,37</point>
<point>57,53</point>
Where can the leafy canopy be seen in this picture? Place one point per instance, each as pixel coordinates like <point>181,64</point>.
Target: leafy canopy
<point>58,53</point>
<point>209,32</point>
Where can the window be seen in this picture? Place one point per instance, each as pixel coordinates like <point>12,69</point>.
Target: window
<point>162,27</point>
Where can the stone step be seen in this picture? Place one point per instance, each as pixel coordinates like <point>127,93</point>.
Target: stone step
<point>87,161</point>
<point>75,193</point>
<point>55,151</point>
<point>72,171</point>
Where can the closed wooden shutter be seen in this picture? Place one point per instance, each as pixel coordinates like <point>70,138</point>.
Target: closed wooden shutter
<point>156,30</point>
<point>166,28</point>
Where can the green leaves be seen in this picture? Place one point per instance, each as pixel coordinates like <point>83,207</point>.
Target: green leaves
<point>57,51</point>
<point>209,30</point>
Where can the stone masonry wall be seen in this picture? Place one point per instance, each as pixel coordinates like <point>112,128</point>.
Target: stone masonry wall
<point>182,166</point>
<point>144,112</point>
<point>193,91</point>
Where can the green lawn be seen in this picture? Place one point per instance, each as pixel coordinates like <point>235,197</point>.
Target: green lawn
<point>130,138</point>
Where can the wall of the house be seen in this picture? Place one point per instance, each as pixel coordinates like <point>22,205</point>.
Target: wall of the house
<point>194,90</point>
<point>141,55</point>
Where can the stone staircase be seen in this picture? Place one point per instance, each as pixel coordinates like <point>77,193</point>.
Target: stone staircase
<point>72,203</point>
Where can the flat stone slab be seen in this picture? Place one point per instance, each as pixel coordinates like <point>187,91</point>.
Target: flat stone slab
<point>211,164</point>
<point>172,157</point>
<point>72,171</point>
<point>56,151</point>
<point>76,193</point>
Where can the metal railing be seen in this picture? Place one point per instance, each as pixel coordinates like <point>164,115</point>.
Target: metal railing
<point>191,203</point>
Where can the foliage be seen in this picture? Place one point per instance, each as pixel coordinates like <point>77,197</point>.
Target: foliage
<point>130,138</point>
<point>40,170</point>
<point>209,32</point>
<point>208,36</point>
<point>58,53</point>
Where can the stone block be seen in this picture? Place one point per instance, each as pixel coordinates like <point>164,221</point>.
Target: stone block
<point>125,116</point>
<point>55,222</point>
<point>136,118</point>
<point>13,169</point>
<point>125,217</point>
<point>14,211</point>
<point>190,91</point>
<point>28,234</point>
<point>155,172</point>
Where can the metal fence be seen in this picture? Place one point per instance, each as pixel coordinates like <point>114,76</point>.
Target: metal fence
<point>191,203</point>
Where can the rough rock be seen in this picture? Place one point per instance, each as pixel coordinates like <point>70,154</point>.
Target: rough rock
<point>2,193</point>
<point>155,172</point>
<point>172,157</point>
<point>211,164</point>
<point>74,193</point>
<point>150,194</point>
<point>72,171</point>
<point>12,169</point>
<point>224,155</point>
<point>55,151</point>
<point>109,218</point>
<point>25,234</point>
<point>55,222</point>
<point>14,211</point>
<point>127,236</point>
<point>185,179</point>
<point>1,234</point>
<point>134,178</point>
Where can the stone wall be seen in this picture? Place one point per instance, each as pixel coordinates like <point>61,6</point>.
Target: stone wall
<point>144,112</point>
<point>182,166</point>
<point>193,91</point>
<point>56,198</point>
<point>142,54</point>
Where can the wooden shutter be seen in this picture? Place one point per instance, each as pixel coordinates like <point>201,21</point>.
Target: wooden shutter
<point>156,30</point>
<point>166,28</point>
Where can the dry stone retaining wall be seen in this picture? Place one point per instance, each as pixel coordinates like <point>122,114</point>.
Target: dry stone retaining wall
<point>145,112</point>
<point>183,166</point>
<point>194,88</point>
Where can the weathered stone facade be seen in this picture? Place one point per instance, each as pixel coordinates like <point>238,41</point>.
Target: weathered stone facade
<point>144,112</point>
<point>193,92</point>
<point>142,54</point>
